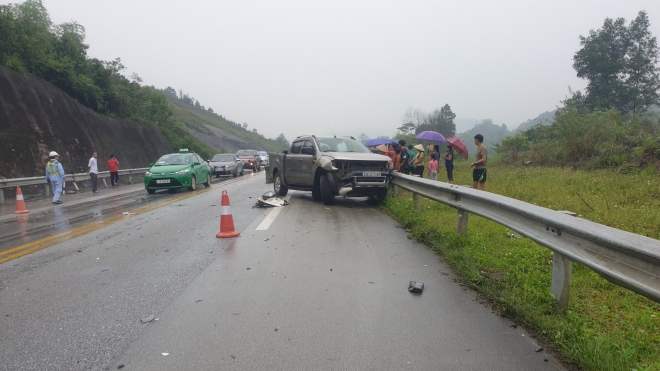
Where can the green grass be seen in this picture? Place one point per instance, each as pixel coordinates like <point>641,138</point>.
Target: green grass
<point>607,327</point>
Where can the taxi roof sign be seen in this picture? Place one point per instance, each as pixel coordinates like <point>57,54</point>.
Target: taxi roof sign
<point>183,150</point>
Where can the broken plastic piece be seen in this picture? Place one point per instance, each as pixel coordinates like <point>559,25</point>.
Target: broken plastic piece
<point>416,287</point>
<point>148,318</point>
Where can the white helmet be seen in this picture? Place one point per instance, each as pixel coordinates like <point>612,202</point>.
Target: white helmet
<point>53,153</point>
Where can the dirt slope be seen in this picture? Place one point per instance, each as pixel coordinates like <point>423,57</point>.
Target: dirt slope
<point>36,117</point>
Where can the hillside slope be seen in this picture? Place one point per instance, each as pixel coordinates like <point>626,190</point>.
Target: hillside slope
<point>217,132</point>
<point>36,117</point>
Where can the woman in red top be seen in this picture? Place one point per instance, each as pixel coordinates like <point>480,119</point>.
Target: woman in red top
<point>114,172</point>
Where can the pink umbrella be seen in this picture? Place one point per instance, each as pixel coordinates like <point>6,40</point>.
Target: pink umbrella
<point>458,146</point>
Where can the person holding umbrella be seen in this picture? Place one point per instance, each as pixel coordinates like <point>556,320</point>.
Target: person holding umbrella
<point>418,161</point>
<point>449,163</point>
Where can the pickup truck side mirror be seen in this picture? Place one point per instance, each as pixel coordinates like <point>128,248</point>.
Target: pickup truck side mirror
<point>307,151</point>
<point>285,152</point>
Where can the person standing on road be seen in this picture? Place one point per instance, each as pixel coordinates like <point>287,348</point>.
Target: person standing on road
<point>55,176</point>
<point>433,168</point>
<point>479,172</point>
<point>449,163</point>
<point>418,161</point>
<point>114,172</point>
<point>93,169</point>
<point>397,159</point>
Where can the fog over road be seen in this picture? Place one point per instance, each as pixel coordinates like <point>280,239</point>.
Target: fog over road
<point>322,288</point>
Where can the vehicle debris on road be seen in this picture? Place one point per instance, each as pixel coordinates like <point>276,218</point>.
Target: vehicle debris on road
<point>415,287</point>
<point>148,318</point>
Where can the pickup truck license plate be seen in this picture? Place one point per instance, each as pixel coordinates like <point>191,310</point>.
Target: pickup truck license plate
<point>161,181</point>
<point>371,173</point>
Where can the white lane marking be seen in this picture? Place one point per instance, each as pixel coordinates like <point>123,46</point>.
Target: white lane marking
<point>270,218</point>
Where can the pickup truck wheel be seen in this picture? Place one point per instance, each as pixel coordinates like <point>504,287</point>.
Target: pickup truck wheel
<point>316,190</point>
<point>326,191</point>
<point>278,187</point>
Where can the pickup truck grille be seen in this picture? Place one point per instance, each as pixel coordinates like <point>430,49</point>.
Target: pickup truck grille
<point>362,179</point>
<point>349,166</point>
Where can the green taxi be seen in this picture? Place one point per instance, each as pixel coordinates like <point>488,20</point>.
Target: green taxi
<point>177,170</point>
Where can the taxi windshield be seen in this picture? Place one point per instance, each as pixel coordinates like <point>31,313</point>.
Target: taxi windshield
<point>174,159</point>
<point>223,158</point>
<point>340,145</point>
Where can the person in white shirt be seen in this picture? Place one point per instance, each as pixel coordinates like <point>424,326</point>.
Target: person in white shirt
<point>93,169</point>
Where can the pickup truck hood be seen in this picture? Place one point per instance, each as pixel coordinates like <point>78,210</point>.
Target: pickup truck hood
<point>356,156</point>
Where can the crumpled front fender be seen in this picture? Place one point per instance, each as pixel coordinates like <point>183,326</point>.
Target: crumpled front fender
<point>325,162</point>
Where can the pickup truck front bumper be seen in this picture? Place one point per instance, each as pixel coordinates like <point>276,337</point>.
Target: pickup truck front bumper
<point>364,183</point>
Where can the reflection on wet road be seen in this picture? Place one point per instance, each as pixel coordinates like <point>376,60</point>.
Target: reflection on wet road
<point>26,233</point>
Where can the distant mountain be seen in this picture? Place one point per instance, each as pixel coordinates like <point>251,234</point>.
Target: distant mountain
<point>546,118</point>
<point>492,133</point>
<point>463,125</point>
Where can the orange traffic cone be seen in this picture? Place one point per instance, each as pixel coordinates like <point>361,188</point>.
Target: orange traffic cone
<point>20,204</point>
<point>227,229</point>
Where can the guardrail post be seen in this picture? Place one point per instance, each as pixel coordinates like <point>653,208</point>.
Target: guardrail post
<point>396,190</point>
<point>47,188</point>
<point>105,184</point>
<point>462,222</point>
<point>418,201</point>
<point>2,196</point>
<point>562,268</point>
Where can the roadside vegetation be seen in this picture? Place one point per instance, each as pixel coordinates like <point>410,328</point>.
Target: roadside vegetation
<point>607,327</point>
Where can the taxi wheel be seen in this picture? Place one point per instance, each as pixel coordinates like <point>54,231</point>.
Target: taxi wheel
<point>193,183</point>
<point>208,181</point>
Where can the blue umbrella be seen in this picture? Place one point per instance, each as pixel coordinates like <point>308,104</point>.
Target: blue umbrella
<point>379,141</point>
<point>431,135</point>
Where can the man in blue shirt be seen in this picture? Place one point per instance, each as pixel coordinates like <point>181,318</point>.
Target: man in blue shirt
<point>55,176</point>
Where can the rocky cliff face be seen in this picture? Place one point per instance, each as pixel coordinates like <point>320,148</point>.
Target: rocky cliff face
<point>36,118</point>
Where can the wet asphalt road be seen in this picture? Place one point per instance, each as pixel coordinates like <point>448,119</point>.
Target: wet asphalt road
<point>320,289</point>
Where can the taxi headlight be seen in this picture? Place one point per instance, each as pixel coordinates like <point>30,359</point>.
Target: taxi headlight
<point>186,171</point>
<point>148,174</point>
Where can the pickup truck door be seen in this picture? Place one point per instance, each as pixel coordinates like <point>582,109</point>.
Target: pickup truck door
<point>293,163</point>
<point>307,154</point>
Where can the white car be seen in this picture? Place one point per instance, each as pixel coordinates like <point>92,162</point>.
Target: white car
<point>264,158</point>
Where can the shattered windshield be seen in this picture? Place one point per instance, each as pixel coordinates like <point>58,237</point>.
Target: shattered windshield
<point>340,145</point>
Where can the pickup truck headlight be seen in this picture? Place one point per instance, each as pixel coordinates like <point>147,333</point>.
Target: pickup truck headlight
<point>186,171</point>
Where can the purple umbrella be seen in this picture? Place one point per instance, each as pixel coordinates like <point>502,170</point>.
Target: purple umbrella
<point>431,135</point>
<point>378,141</point>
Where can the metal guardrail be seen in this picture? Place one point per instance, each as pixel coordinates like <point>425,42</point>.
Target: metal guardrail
<point>16,182</point>
<point>626,259</point>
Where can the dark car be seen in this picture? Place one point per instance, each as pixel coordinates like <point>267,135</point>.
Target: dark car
<point>250,158</point>
<point>226,164</point>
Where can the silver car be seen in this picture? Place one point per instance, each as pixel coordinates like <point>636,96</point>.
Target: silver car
<point>264,158</point>
<point>226,164</point>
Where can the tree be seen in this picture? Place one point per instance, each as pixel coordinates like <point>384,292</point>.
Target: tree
<point>170,92</point>
<point>441,121</point>
<point>406,128</point>
<point>621,66</point>
<point>414,116</point>
<point>282,141</point>
<point>363,137</point>
<point>245,125</point>
<point>210,110</point>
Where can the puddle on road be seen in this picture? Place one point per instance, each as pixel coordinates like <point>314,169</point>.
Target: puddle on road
<point>25,228</point>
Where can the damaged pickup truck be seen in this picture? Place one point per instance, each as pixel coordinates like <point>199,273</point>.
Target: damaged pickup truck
<point>327,167</point>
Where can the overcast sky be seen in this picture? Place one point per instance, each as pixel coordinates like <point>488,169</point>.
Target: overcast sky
<point>299,67</point>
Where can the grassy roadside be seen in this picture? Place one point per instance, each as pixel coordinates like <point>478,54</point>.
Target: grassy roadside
<point>607,327</point>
